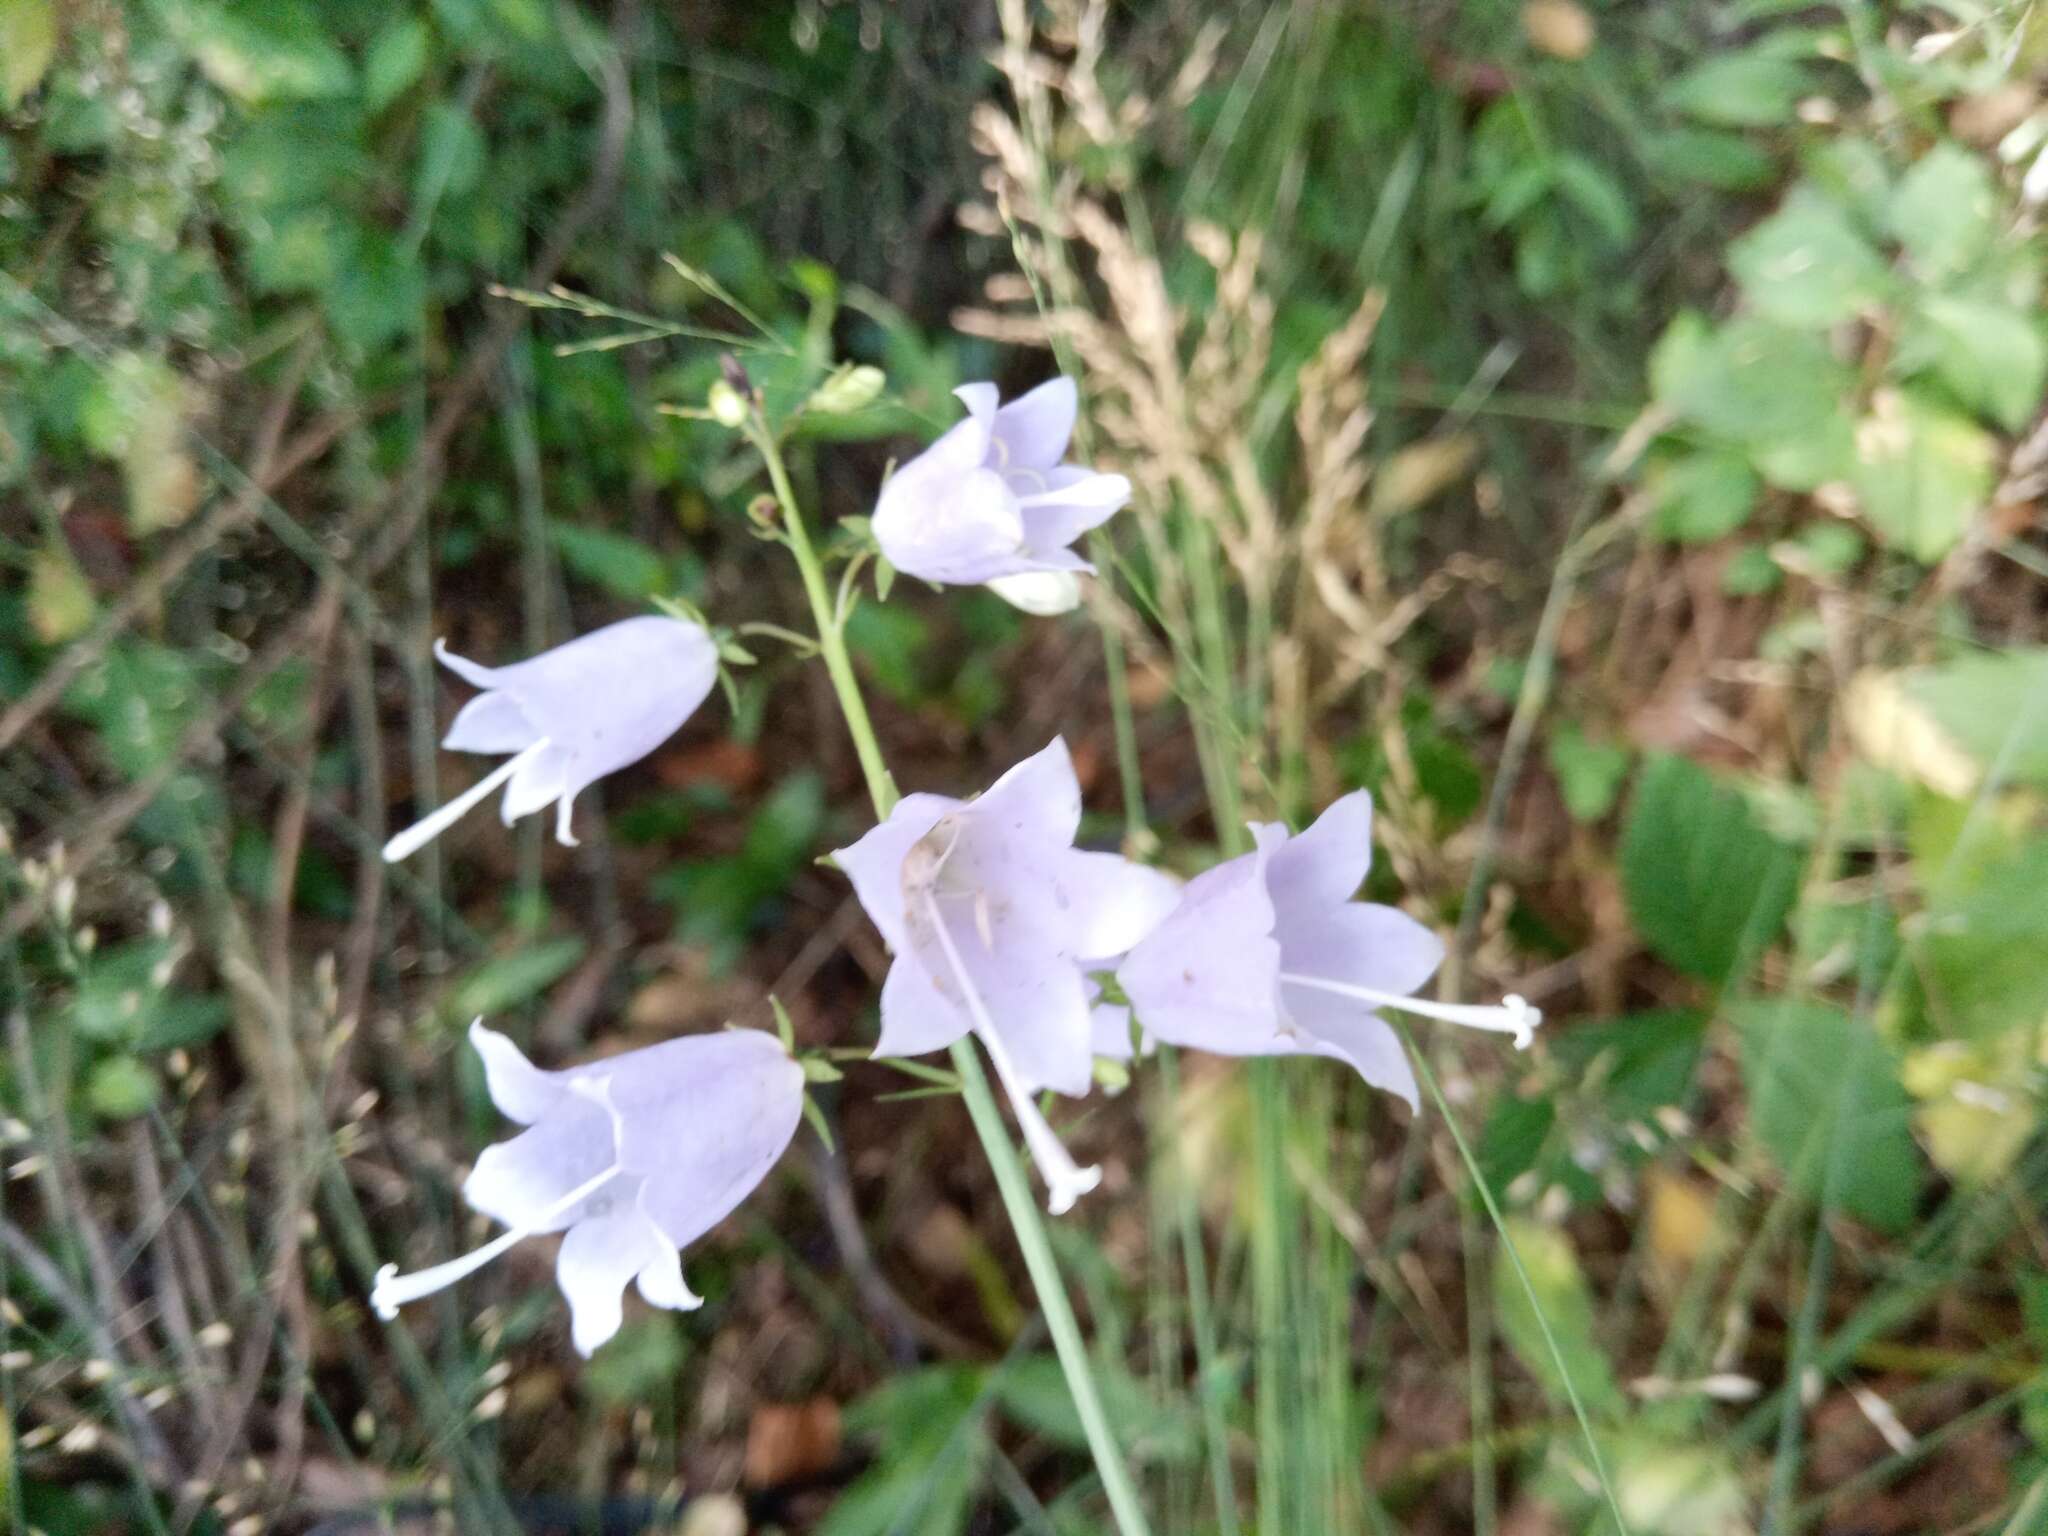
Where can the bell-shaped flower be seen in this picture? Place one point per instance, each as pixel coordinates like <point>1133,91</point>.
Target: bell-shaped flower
<point>992,500</point>
<point>570,716</point>
<point>995,920</point>
<point>630,1158</point>
<point>1268,955</point>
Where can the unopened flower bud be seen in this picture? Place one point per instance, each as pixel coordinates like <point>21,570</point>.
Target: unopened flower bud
<point>849,389</point>
<point>727,408</point>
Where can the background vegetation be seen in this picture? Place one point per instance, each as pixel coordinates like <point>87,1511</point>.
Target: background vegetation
<point>1611,433</point>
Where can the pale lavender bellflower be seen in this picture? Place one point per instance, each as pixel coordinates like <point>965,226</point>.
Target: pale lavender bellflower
<point>570,716</point>
<point>1268,955</point>
<point>995,920</point>
<point>630,1158</point>
<point>992,501</point>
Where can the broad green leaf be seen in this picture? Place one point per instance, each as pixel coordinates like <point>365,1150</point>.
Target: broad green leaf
<point>1708,157</point>
<point>451,155</point>
<point>264,50</point>
<point>1806,265</point>
<point>1742,90</point>
<point>614,561</point>
<point>120,1088</point>
<point>891,642</point>
<point>1945,211</point>
<point>1991,356</point>
<point>930,1427</point>
<point>1707,886</point>
<point>1033,1392</point>
<point>505,981</point>
<point>1565,1302</point>
<point>1749,571</point>
<point>1981,947</point>
<point>60,600</point>
<point>638,1366</point>
<point>1702,496</point>
<point>1512,1138</point>
<point>1751,380</point>
<point>1978,1106</point>
<point>1825,1102</point>
<point>1922,473</point>
<point>1589,773</point>
<point>378,294</point>
<point>135,413</point>
<point>28,41</point>
<point>1641,1062</point>
<point>1993,708</point>
<point>396,59</point>
<point>1677,1490</point>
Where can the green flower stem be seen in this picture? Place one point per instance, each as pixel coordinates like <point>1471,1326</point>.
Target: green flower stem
<point>1011,1180</point>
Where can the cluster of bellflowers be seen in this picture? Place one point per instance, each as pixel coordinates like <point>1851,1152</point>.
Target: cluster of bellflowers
<point>998,926</point>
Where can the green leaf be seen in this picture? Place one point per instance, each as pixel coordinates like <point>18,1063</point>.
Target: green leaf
<point>1751,380</point>
<point>1563,1300</point>
<point>1982,943</point>
<point>1034,1393</point>
<point>264,50</point>
<point>1741,90</point>
<point>1512,1138</point>
<point>1589,773</point>
<point>28,41</point>
<point>1990,355</point>
<point>638,1365</point>
<point>1806,265</point>
<point>620,564</point>
<point>1945,211</point>
<point>1922,473</point>
<point>1703,496</point>
<point>120,1088</point>
<point>378,294</point>
<point>890,643</point>
<point>1727,162</point>
<point>60,600</point>
<point>396,59</point>
<point>1750,571</point>
<point>930,1423</point>
<point>1825,1102</point>
<point>507,980</point>
<point>451,155</point>
<point>1706,885</point>
<point>1993,708</point>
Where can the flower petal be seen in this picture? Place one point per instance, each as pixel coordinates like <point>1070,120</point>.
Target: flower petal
<point>701,1121</point>
<point>875,863</point>
<point>516,1182</point>
<point>599,1257</point>
<point>1363,944</point>
<point>1323,866</point>
<point>608,698</point>
<point>469,671</point>
<point>522,1091</point>
<point>1032,431</point>
<point>540,781</point>
<point>1208,976</point>
<point>1109,1032</point>
<point>1076,500</point>
<point>945,524</point>
<point>1043,593</point>
<point>490,722</point>
<point>1112,902</point>
<point>916,1016</point>
<point>1370,1045</point>
<point>980,400</point>
<point>1039,799</point>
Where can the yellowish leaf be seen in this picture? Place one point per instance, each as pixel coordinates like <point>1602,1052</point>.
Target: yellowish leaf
<point>60,600</point>
<point>28,41</point>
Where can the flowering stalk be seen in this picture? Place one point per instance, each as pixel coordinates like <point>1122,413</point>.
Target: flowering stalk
<point>1011,1180</point>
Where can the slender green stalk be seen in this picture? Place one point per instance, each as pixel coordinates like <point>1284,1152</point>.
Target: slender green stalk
<point>1011,1180</point>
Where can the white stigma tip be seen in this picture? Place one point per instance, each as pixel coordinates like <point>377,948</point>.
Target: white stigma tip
<point>1062,1191</point>
<point>380,1293</point>
<point>1523,1017</point>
